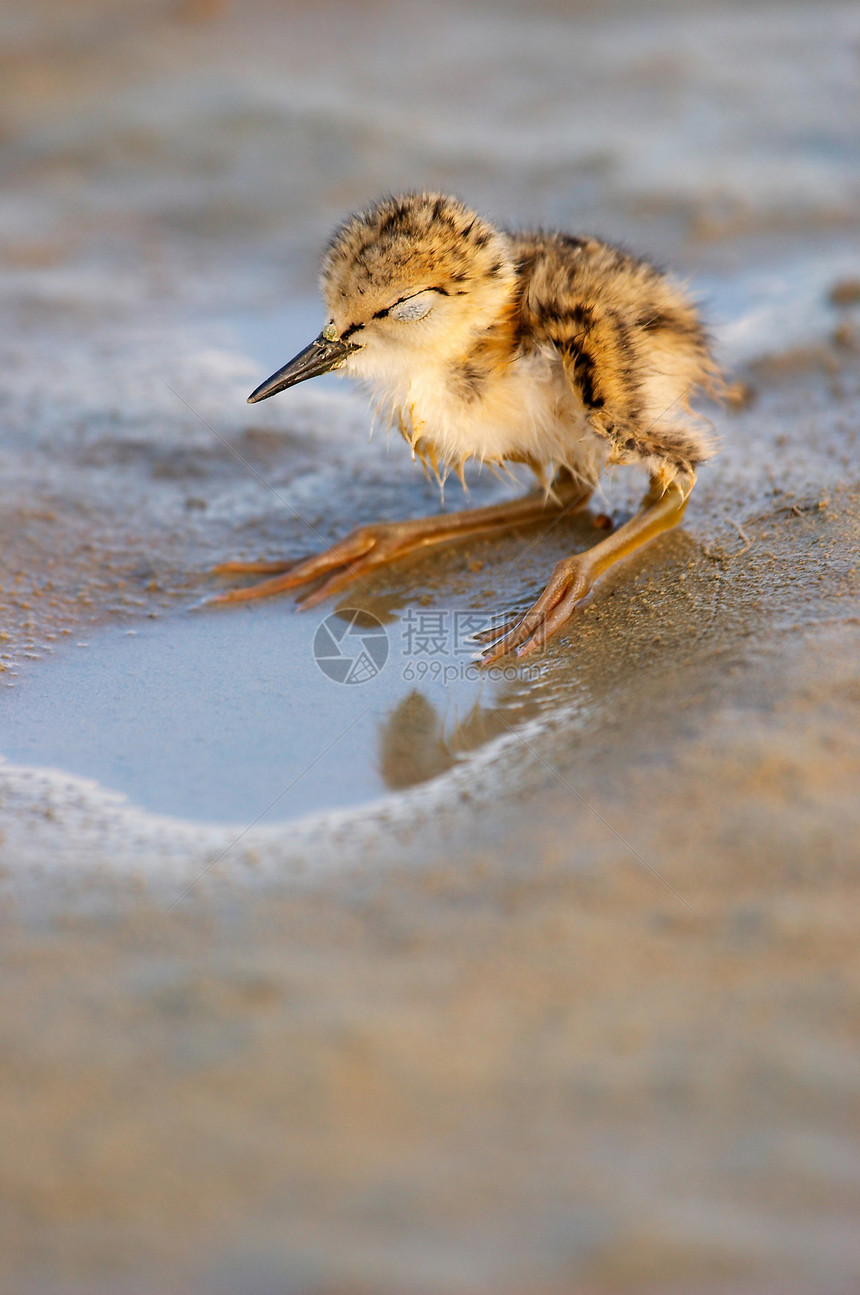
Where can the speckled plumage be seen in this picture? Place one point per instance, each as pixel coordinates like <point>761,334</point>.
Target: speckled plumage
<point>542,348</point>
<point>560,352</point>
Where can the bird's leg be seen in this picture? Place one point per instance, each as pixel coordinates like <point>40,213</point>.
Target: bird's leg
<point>372,546</point>
<point>574,577</point>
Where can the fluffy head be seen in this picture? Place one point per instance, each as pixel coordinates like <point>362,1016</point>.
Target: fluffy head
<point>419,272</point>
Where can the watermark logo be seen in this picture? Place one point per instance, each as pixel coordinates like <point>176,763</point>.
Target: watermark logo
<point>440,645</point>
<point>351,646</point>
<point>433,645</point>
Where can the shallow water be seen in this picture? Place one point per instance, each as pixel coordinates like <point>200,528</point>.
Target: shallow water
<point>227,715</point>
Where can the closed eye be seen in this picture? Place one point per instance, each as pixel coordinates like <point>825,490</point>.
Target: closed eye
<point>406,309</point>
<point>413,308</point>
<point>409,309</point>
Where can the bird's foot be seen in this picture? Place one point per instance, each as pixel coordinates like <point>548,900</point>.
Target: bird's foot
<point>573,578</point>
<point>361,551</point>
<point>571,583</point>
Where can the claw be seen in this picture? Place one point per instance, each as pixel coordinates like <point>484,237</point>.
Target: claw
<point>570,584</point>
<point>339,580</point>
<point>265,589</point>
<point>496,631</point>
<point>346,554</point>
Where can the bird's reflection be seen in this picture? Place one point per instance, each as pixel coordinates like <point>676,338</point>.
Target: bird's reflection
<point>417,742</point>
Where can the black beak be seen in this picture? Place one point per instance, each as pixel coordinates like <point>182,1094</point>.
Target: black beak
<point>323,354</point>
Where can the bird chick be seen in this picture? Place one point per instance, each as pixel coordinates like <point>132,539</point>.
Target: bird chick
<point>555,351</point>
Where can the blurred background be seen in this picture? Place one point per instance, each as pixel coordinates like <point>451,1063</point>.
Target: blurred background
<point>523,1066</point>
<point>199,149</point>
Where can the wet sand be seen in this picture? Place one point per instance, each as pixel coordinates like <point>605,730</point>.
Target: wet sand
<point>565,997</point>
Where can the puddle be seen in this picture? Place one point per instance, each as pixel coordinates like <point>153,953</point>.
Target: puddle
<point>225,715</point>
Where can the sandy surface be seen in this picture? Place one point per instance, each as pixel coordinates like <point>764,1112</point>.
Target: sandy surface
<point>571,1003</point>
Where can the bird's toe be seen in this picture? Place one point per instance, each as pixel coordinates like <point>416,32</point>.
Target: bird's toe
<point>569,585</point>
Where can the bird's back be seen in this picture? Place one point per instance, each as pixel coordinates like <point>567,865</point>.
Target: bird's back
<point>630,340</point>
